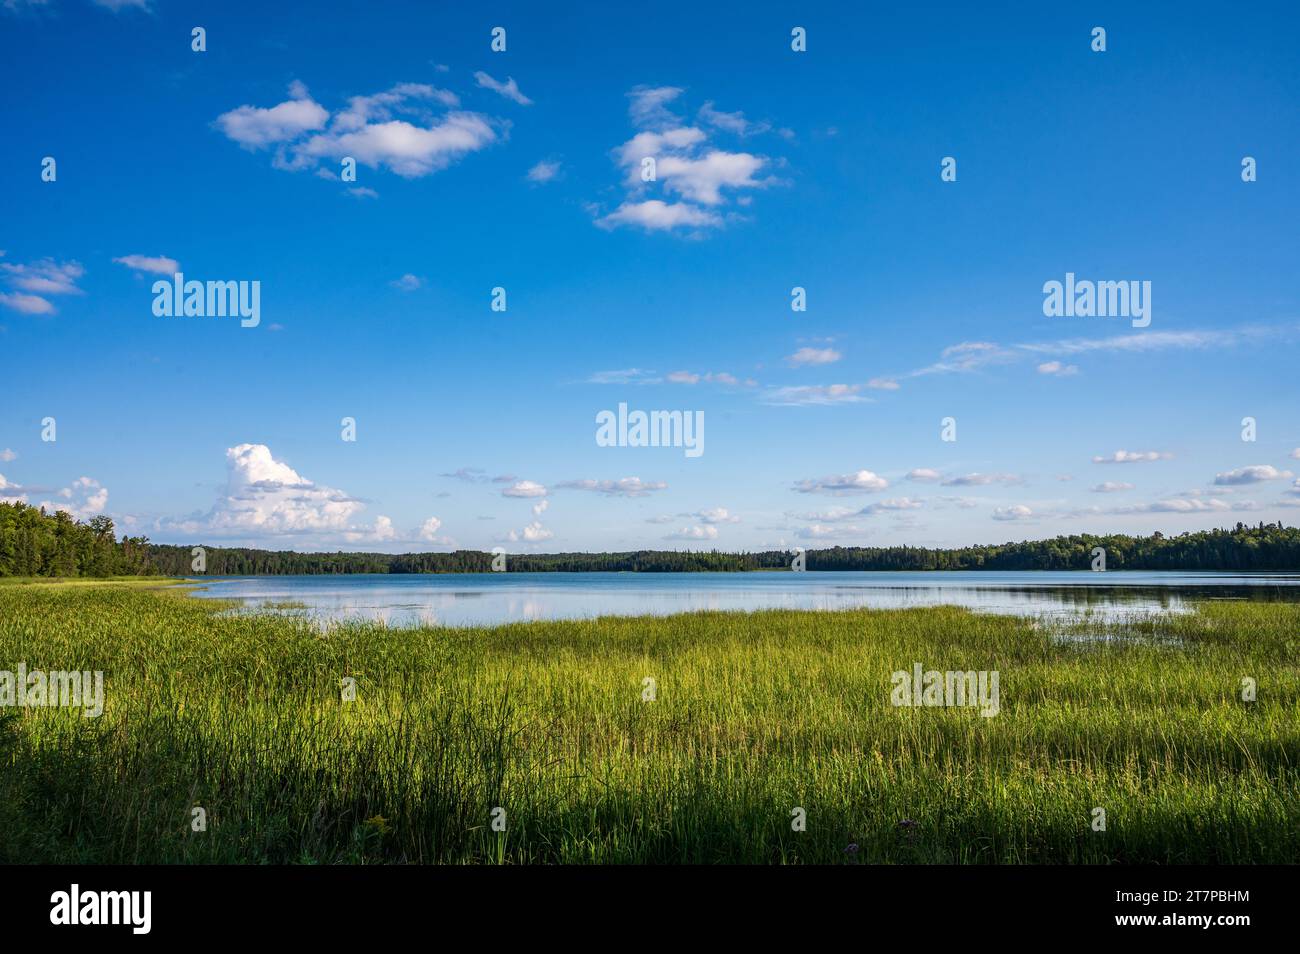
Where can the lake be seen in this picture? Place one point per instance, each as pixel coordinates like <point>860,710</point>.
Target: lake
<point>456,599</point>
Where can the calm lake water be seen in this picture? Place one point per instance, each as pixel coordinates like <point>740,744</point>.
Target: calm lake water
<point>489,598</point>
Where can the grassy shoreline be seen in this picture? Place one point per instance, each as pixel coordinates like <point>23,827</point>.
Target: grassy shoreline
<point>755,715</point>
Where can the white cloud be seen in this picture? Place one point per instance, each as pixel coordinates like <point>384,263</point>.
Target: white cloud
<point>648,105</point>
<point>981,480</point>
<point>367,130</point>
<point>407,282</point>
<point>254,127</point>
<point>1132,457</point>
<point>1251,475</point>
<point>657,215</point>
<point>702,179</point>
<point>539,508</point>
<point>923,474</point>
<point>686,163</point>
<point>26,304</point>
<point>46,277</point>
<point>544,171</point>
<point>859,482</point>
<point>265,496</point>
<point>710,377</point>
<point>36,280</point>
<point>85,498</point>
<point>694,533</point>
<point>883,384</point>
<point>814,394</point>
<point>509,89</point>
<point>1017,512</point>
<point>1176,505</point>
<point>6,456</point>
<point>154,264</point>
<point>533,533</point>
<point>1111,486</point>
<point>893,504</point>
<point>1057,369</point>
<point>623,376</point>
<point>429,529</point>
<point>716,515</point>
<point>731,122</point>
<point>834,515</point>
<point>524,488</point>
<point>117,6</point>
<point>820,531</point>
<point>626,487</point>
<point>806,356</point>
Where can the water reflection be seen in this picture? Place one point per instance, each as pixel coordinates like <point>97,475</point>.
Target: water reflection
<point>493,598</point>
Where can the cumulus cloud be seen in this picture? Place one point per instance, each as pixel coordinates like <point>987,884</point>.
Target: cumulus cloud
<point>697,176</point>
<point>399,129</point>
<point>255,127</point>
<point>657,215</point>
<point>153,264</point>
<point>859,482</point>
<point>716,515</point>
<point>524,488</point>
<point>265,497</point>
<point>694,533</point>
<point>83,499</point>
<point>1017,512</point>
<point>6,456</point>
<point>1251,475</point>
<point>533,533</point>
<point>923,474</point>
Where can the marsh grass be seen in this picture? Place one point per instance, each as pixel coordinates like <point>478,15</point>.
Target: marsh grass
<point>755,714</point>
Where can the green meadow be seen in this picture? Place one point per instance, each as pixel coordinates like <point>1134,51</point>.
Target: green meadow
<point>753,716</point>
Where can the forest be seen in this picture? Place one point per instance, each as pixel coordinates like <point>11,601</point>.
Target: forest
<point>34,543</point>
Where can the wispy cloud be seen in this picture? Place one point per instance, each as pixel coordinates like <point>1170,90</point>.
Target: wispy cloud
<point>509,89</point>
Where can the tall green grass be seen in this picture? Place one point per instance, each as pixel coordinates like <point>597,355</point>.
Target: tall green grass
<point>756,714</point>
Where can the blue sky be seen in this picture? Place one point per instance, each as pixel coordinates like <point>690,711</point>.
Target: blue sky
<point>776,169</point>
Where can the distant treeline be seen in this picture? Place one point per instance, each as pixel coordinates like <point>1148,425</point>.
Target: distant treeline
<point>36,543</point>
